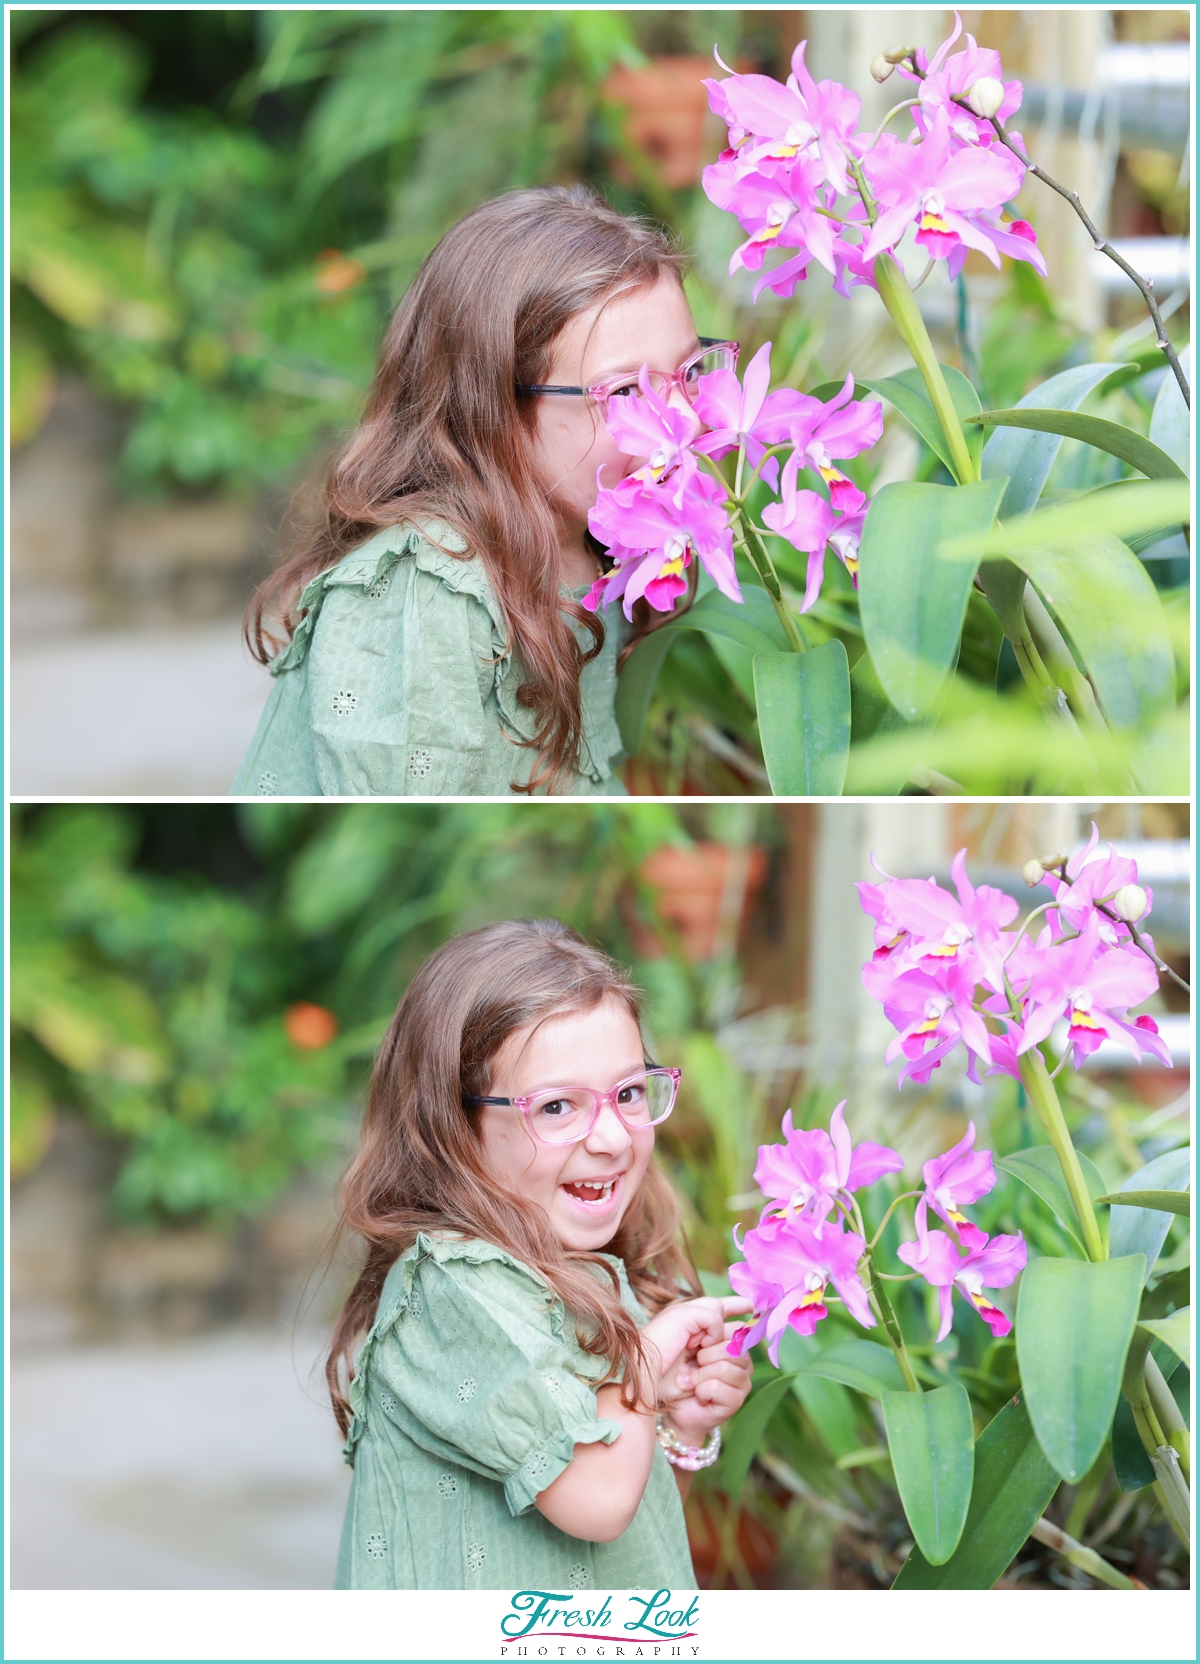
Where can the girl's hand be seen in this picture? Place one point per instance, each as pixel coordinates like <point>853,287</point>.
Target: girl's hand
<point>687,1327</point>
<point>711,1387</point>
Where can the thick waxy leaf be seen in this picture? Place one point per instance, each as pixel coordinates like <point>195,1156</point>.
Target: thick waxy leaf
<point>1039,1169</point>
<point>1012,1489</point>
<point>908,393</point>
<point>932,1445</point>
<point>911,601</point>
<point>1144,1230</point>
<point>803,704</point>
<point>1025,459</point>
<point>1170,421</point>
<point>744,1431</point>
<point>856,1363</point>
<point>1100,592</point>
<point>831,1411</point>
<point>751,623</point>
<point>1118,441</point>
<point>1124,509</point>
<point>1162,1201</point>
<point>1074,1321</point>
<point>1130,1461</point>
<point>1175,1330</point>
<point>635,687</point>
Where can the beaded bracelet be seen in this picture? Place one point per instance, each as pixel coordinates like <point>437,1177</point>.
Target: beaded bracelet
<point>691,1457</point>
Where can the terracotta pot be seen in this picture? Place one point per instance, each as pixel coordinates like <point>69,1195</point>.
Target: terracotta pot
<point>668,109</point>
<point>705,893</point>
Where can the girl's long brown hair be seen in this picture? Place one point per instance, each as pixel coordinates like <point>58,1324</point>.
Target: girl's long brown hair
<point>420,1163</point>
<point>445,435</point>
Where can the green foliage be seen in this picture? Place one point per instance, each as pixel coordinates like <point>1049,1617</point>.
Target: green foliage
<point>932,1443</point>
<point>189,260</point>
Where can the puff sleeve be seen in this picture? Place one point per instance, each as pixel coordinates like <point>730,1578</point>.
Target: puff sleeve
<point>473,1368</point>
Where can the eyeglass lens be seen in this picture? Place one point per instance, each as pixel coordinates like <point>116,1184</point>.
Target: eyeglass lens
<point>704,363</point>
<point>561,1116</point>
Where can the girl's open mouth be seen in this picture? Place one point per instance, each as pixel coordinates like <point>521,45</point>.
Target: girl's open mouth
<point>593,1194</point>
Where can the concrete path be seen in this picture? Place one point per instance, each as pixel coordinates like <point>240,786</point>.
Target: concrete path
<point>131,713</point>
<point>209,1463</point>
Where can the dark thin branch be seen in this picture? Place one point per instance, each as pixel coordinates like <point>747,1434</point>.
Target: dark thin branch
<point>1138,942</point>
<point>1101,244</point>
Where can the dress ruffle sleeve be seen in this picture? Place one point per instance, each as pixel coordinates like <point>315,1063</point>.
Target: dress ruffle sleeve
<point>470,1363</point>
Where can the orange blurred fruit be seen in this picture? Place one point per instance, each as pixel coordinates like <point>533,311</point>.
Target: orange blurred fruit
<point>309,1026</point>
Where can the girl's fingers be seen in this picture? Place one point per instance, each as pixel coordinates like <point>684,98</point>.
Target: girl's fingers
<point>718,1354</point>
<point>720,1395</point>
<point>729,1370</point>
<point>731,1305</point>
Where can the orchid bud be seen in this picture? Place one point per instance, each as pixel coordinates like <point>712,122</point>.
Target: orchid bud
<point>897,54</point>
<point>986,96</point>
<point>1130,903</point>
<point>1053,862</point>
<point>1033,872</point>
<point>881,66</point>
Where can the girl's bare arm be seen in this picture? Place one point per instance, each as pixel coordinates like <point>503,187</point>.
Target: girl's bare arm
<point>597,1495</point>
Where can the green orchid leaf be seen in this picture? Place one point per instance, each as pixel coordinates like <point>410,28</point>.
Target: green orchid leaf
<point>744,1432</point>
<point>803,704</point>
<point>1161,1201</point>
<point>1171,420</point>
<point>830,1408</point>
<point>1042,1172</point>
<point>751,623</point>
<point>1074,1322</point>
<point>856,1363</point>
<point>1175,1330</point>
<point>1026,458</point>
<point>908,394</point>
<point>1112,437</point>
<point>1122,510</point>
<point>1139,1230</point>
<point>1013,1485</point>
<point>932,1444</point>
<point>912,603</point>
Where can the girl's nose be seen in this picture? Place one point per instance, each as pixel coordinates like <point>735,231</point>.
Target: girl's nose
<point>610,1135</point>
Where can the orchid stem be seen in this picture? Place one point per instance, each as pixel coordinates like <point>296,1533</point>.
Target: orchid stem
<point>1043,1097</point>
<point>904,1196</point>
<point>891,1327</point>
<point>896,295</point>
<point>765,567</point>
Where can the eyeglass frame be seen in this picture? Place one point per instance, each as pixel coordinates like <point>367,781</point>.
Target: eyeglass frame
<point>600,1101</point>
<point>602,391</point>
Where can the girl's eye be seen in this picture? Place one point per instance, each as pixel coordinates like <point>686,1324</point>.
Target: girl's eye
<point>556,1109</point>
<point>634,1093</point>
<point>625,392</point>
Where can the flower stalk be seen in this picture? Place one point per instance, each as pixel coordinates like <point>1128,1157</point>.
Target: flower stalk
<point>904,312</point>
<point>1037,1083</point>
<point>887,1317</point>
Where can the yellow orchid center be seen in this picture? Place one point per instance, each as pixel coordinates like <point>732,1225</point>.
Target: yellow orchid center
<point>933,221</point>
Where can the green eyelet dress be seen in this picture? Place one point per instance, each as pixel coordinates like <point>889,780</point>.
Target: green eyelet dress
<point>399,682</point>
<point>469,1397</point>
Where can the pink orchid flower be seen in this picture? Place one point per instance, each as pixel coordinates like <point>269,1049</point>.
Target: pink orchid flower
<point>775,122</point>
<point>743,412</point>
<point>652,533</point>
<point>825,431</point>
<point>940,928</point>
<point>648,426</point>
<point>807,1172</point>
<point>960,1176</point>
<point>1092,986</point>
<point>933,1010</point>
<point>787,1268</point>
<point>777,210</point>
<point>1091,877</point>
<point>949,78</point>
<point>946,193</point>
<point>994,1264</point>
<point>807,521</point>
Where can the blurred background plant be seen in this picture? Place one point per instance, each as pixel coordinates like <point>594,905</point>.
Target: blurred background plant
<point>198,990</point>
<point>214,212</point>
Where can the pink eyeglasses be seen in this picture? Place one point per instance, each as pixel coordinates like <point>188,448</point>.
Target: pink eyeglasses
<point>567,1114</point>
<point>713,355</point>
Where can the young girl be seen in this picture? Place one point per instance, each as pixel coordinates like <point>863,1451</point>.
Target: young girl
<point>536,1384</point>
<point>436,641</point>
